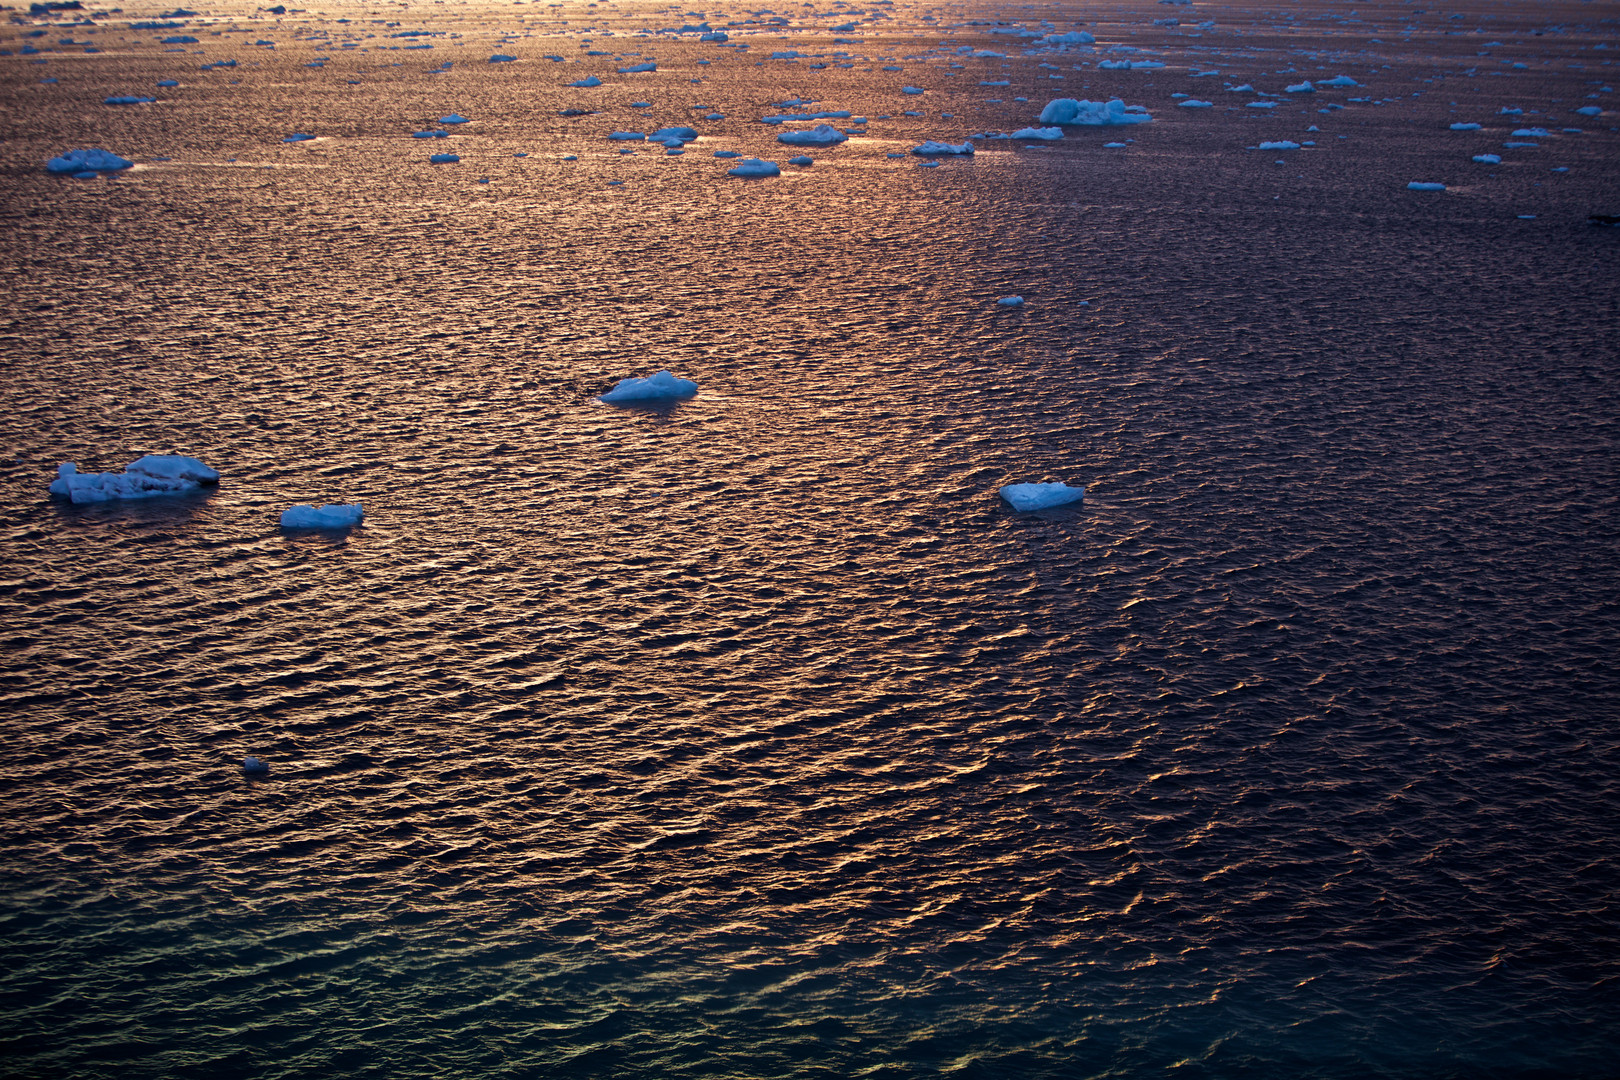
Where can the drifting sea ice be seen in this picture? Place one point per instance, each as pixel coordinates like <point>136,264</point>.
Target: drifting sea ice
<point>755,167</point>
<point>334,516</point>
<point>152,475</point>
<point>636,69</point>
<point>1338,80</point>
<point>939,149</point>
<point>1073,37</point>
<point>1421,185</point>
<point>82,161</point>
<point>444,159</point>
<point>129,100</point>
<point>1466,127</point>
<point>1011,301</point>
<point>820,135</point>
<point>1092,113</point>
<point>801,160</point>
<point>1487,159</point>
<point>587,82</point>
<point>662,386</point>
<point>1281,144</point>
<point>1301,88</point>
<point>1194,103</point>
<point>1041,496</point>
<point>454,118</point>
<point>1047,133</point>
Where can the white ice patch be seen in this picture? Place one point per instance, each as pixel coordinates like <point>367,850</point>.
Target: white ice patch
<point>1040,496</point>
<point>144,478</point>
<point>1281,144</point>
<point>1092,113</point>
<point>1073,37</point>
<point>1047,133</point>
<point>941,149</point>
<point>663,386</point>
<point>333,516</point>
<point>820,135</point>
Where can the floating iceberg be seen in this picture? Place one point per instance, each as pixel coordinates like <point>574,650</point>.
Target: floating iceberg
<point>1337,80</point>
<point>501,58</point>
<point>335,516</point>
<point>678,136</point>
<point>1301,88</point>
<point>444,159</point>
<point>298,136</point>
<point>801,160</point>
<point>941,149</point>
<point>1194,103</point>
<point>1011,301</point>
<point>1466,127</point>
<point>128,99</point>
<point>636,69</point>
<point>152,475</point>
<point>1281,144</point>
<point>587,81</point>
<point>1047,133</point>
<point>81,161</point>
<point>755,167</point>
<point>1073,37</point>
<point>911,89</point>
<point>1487,159</point>
<point>820,135</point>
<point>454,118</point>
<point>1420,185</point>
<point>1092,113</point>
<point>1532,133</point>
<point>663,386</point>
<point>626,136</point>
<point>1041,496</point>
<point>254,767</point>
<point>1588,110</point>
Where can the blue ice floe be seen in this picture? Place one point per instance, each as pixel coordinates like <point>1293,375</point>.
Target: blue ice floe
<point>1487,159</point>
<point>252,766</point>
<point>662,386</point>
<point>454,118</point>
<point>1045,133</point>
<point>1073,37</point>
<point>1025,497</point>
<point>79,162</point>
<point>143,478</point>
<point>587,82</point>
<point>129,99</point>
<point>1068,111</point>
<point>820,135</point>
<point>1301,88</point>
<point>1280,144</point>
<point>502,58</point>
<point>1423,185</point>
<point>756,167</point>
<point>298,136</point>
<point>1466,127</point>
<point>334,516</point>
<point>444,159</point>
<point>1011,301</point>
<point>636,69</point>
<point>1194,103</point>
<point>942,149</point>
<point>801,160</point>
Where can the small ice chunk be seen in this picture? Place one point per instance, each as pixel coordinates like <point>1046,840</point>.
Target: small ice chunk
<point>1587,110</point>
<point>662,386</point>
<point>1421,185</point>
<point>144,478</point>
<point>168,82</point>
<point>454,118</point>
<point>911,90</point>
<point>501,58</point>
<point>1338,80</point>
<point>254,767</point>
<point>588,81</point>
<point>1011,301</point>
<point>1301,88</point>
<point>1280,144</point>
<point>128,99</point>
<point>1073,37</point>
<point>677,135</point>
<point>1047,133</point>
<point>1487,159</point>
<point>1532,133</point>
<point>444,159</point>
<point>1040,496</point>
<point>726,154</point>
<point>636,69</point>
<point>1262,105</point>
<point>820,135</point>
<point>1466,127</point>
<point>298,136</point>
<point>801,160</point>
<point>939,149</point>
<point>82,161</point>
<point>334,516</point>
<point>627,136</point>
<point>1194,103</point>
<point>1092,113</point>
<point>755,167</point>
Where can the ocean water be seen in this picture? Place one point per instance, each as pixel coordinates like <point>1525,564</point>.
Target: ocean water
<point>754,736</point>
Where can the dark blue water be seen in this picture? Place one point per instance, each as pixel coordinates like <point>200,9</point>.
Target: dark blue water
<point>754,735</point>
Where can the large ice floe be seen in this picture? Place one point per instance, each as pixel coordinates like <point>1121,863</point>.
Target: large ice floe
<point>756,167</point>
<point>1041,496</point>
<point>144,478</point>
<point>83,161</point>
<point>820,135</point>
<point>333,516</point>
<point>1092,113</point>
<point>663,386</point>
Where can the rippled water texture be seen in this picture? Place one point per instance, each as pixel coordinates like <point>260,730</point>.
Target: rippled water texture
<point>754,736</point>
